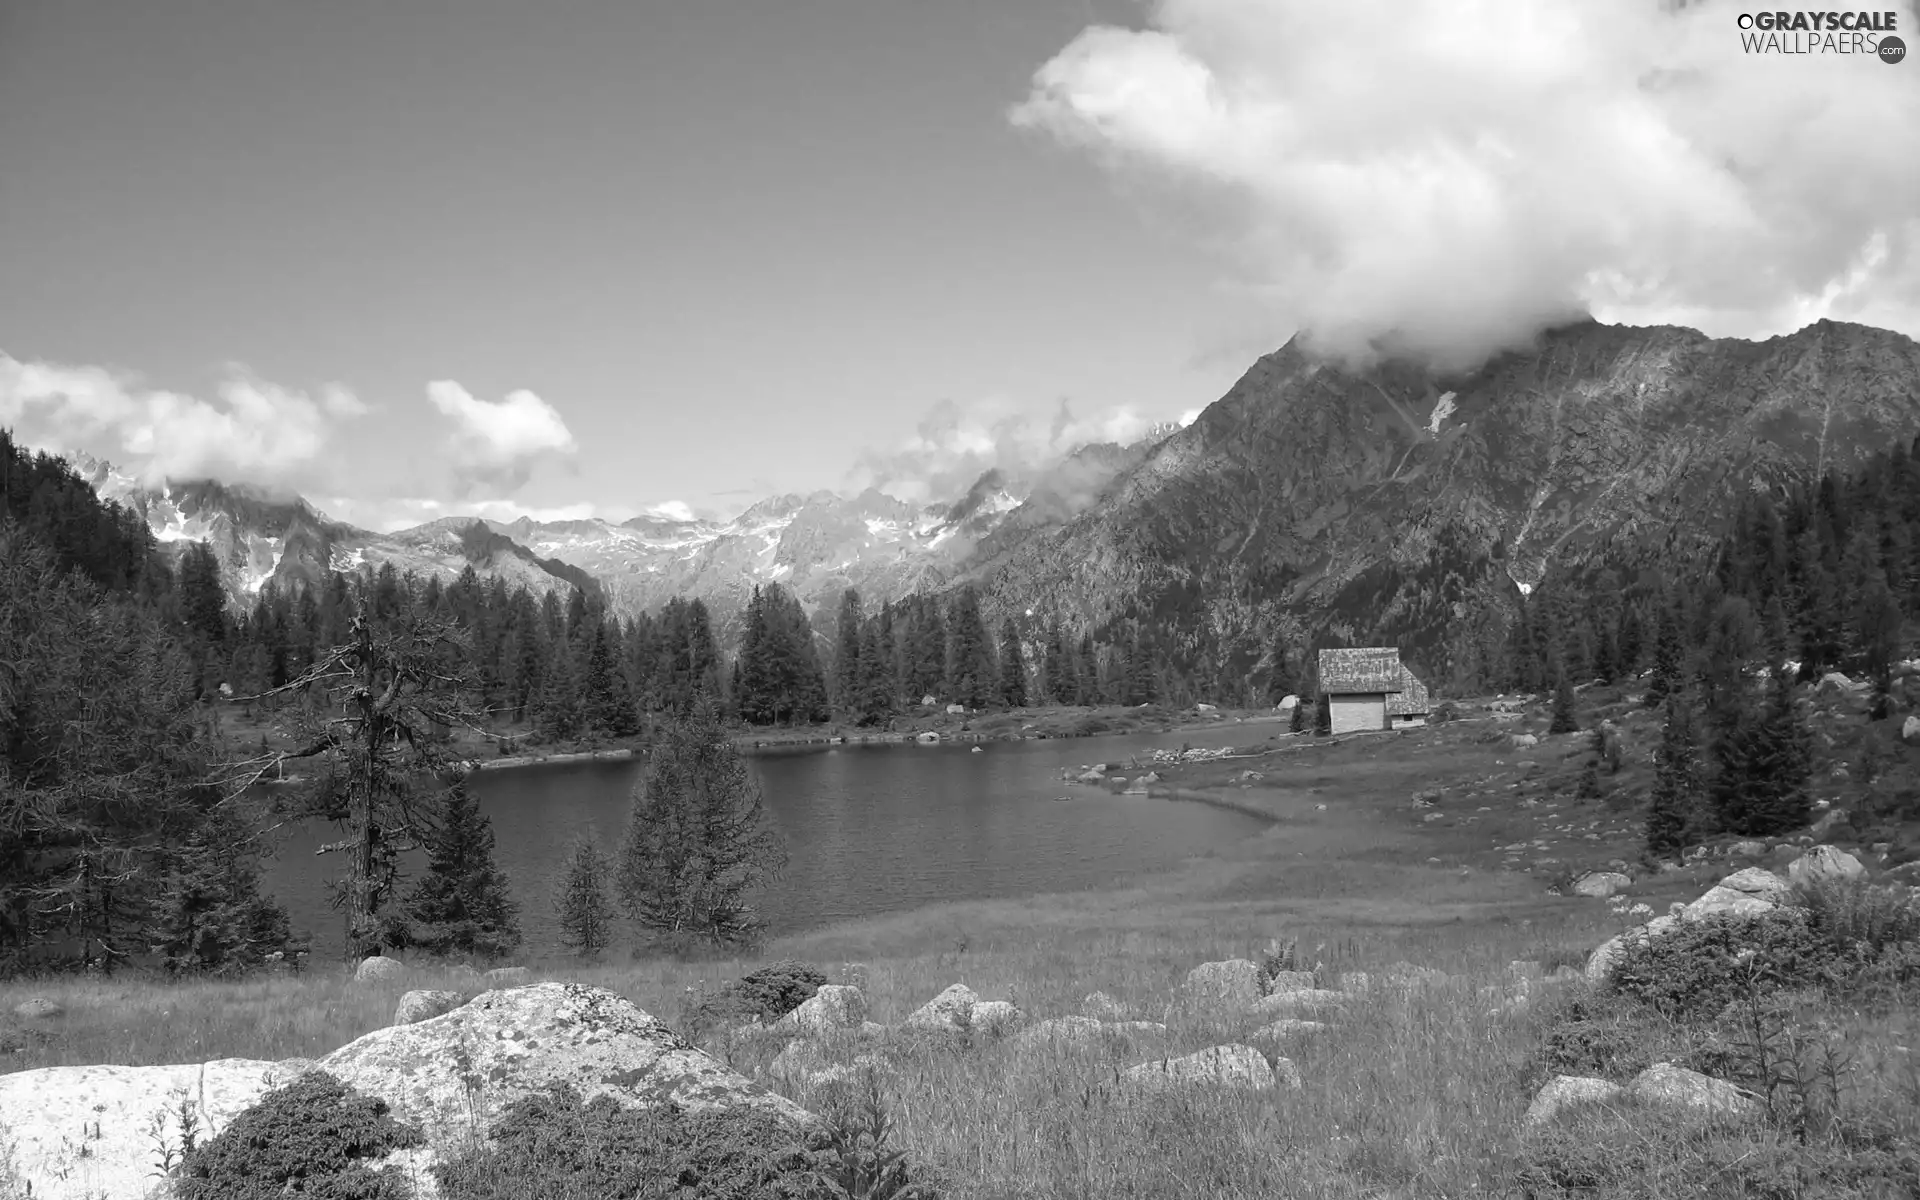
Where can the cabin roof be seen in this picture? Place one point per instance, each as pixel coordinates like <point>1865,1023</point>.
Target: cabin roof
<point>1411,700</point>
<point>1364,669</point>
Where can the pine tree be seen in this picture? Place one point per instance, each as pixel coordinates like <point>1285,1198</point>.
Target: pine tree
<point>1668,660</point>
<point>849,680</point>
<point>876,676</point>
<point>1673,811</point>
<point>583,909</point>
<point>1763,765</point>
<point>462,904</point>
<point>1013,667</point>
<point>1323,715</point>
<point>699,838</point>
<point>211,916</point>
<point>1565,719</point>
<point>970,669</point>
<point>561,715</point>
<point>1298,723</point>
<point>1056,671</point>
<point>1280,680</point>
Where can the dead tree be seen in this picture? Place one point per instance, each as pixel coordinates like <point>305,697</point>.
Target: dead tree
<point>379,708</point>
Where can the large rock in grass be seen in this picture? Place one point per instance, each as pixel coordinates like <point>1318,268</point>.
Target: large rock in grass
<point>1676,1089</point>
<point>1601,884</point>
<point>458,1071</point>
<point>84,1132</point>
<point>1824,865</point>
<point>1238,1067</point>
<point>1563,1092</point>
<point>1232,985</point>
<point>834,1007</point>
<point>958,1010</point>
<point>418,1006</point>
<point>379,969</point>
<point>37,1008</point>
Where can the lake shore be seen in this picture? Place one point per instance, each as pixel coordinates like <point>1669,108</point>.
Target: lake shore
<point>1018,725</point>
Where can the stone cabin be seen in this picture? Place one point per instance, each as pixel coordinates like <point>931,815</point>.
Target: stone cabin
<point>1370,688</point>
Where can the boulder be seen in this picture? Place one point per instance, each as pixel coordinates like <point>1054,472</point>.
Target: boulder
<point>1664,1085</point>
<point>37,1008</point>
<point>1102,1007</point>
<point>1293,1004</point>
<point>86,1132</point>
<point>1522,741</point>
<point>1747,892</point>
<point>287,1070</point>
<point>424,1005</point>
<point>379,969</point>
<point>1910,729</point>
<point>1287,702</point>
<point>1563,1092</point>
<point>454,1075</point>
<point>1230,984</point>
<point>506,977</point>
<point>1834,681</point>
<point>995,1016</point>
<point>1139,786</point>
<point>1291,981</point>
<point>948,1012</point>
<point>836,1006</point>
<point>1601,884</point>
<point>1747,849</point>
<point>1235,1066</point>
<point>1824,865</point>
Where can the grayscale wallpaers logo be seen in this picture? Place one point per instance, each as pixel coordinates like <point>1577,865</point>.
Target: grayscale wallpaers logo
<point>1857,33</point>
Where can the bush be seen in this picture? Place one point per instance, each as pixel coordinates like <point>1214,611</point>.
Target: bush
<point>553,1146</point>
<point>313,1137</point>
<point>768,994</point>
<point>1695,970</point>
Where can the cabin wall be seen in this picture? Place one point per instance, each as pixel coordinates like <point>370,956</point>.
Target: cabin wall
<point>1359,711</point>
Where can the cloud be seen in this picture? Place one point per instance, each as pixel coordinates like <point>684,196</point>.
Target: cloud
<point>253,431</point>
<point>495,444</point>
<point>672,510</point>
<point>954,445</point>
<point>1444,178</point>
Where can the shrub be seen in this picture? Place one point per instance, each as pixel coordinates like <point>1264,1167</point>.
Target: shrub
<point>313,1137</point>
<point>768,994</point>
<point>553,1146</point>
<point>1694,970</point>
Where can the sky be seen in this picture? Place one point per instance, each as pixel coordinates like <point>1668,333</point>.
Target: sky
<point>421,257</point>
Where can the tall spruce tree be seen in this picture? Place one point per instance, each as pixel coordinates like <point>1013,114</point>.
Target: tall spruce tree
<point>211,916</point>
<point>583,909</point>
<point>1674,808</point>
<point>463,904</point>
<point>1013,667</point>
<point>1056,670</point>
<point>850,681</point>
<point>1668,658</point>
<point>699,839</point>
<point>970,667</point>
<point>1565,717</point>
<point>1763,764</point>
<point>1280,678</point>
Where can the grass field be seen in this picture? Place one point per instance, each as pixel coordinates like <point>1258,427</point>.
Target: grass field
<point>1408,1094</point>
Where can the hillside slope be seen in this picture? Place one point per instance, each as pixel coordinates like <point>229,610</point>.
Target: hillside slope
<point>1370,502</point>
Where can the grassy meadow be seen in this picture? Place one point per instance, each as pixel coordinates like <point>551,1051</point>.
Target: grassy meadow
<point>1411,1091</point>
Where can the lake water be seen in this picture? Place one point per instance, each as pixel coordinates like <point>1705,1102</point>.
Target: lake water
<point>868,829</point>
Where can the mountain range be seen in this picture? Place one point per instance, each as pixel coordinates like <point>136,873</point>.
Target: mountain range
<point>1365,501</point>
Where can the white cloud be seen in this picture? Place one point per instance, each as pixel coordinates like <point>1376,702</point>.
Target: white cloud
<point>1445,177</point>
<point>672,510</point>
<point>253,431</point>
<point>495,444</point>
<point>954,445</point>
